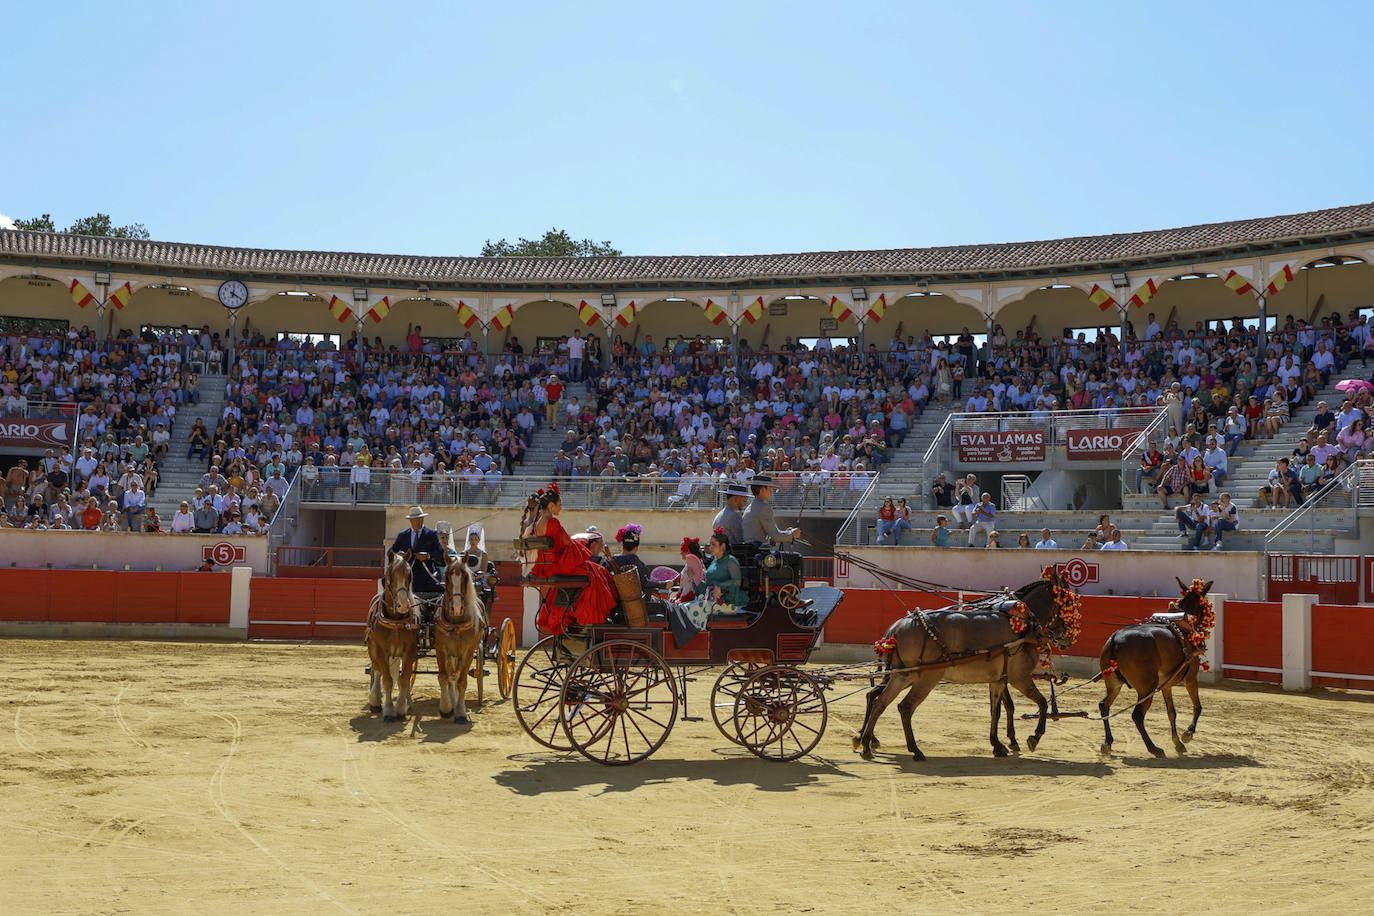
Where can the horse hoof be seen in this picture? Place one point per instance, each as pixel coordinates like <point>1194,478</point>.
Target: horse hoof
<point>866,753</point>
<point>918,757</point>
<point>1188,736</point>
<point>1157,751</point>
<point>1032,742</point>
<point>1179,746</point>
<point>1014,747</point>
<point>390,718</point>
<point>857,743</point>
<point>1106,749</point>
<point>461,720</point>
<point>999,751</point>
<point>377,708</point>
<point>876,742</point>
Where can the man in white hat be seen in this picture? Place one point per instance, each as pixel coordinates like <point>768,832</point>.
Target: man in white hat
<point>729,518</point>
<point>427,554</point>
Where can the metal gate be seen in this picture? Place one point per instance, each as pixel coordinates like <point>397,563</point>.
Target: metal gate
<point>1334,580</point>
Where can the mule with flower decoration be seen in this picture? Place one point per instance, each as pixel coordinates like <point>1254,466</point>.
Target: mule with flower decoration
<point>1156,656</point>
<point>999,640</point>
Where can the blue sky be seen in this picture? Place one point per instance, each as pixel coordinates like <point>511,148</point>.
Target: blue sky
<point>700,128</point>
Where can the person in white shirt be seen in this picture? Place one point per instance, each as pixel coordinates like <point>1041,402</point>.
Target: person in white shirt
<point>184,520</point>
<point>1046,542</point>
<point>1115,542</point>
<point>134,500</point>
<point>1215,460</point>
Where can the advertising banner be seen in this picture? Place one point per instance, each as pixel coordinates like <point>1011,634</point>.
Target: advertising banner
<point>1100,444</point>
<point>999,446</point>
<point>22,432</point>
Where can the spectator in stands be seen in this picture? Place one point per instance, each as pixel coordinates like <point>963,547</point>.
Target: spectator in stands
<point>1309,475</point>
<point>903,518</point>
<point>887,521</point>
<point>206,516</point>
<point>966,499</point>
<point>943,493</point>
<point>1046,542</point>
<point>1114,542</point>
<point>152,523</point>
<point>994,540</point>
<point>1279,489</point>
<point>134,503</point>
<point>1151,466</point>
<point>1225,517</point>
<point>1233,430</point>
<point>1023,540</point>
<point>1174,481</point>
<point>939,535</point>
<point>1323,420</point>
<point>1214,458</point>
<point>91,515</point>
<point>984,517</point>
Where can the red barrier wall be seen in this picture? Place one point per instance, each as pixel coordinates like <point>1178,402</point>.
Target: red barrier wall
<point>1341,638</point>
<point>110,596</point>
<point>1254,638</point>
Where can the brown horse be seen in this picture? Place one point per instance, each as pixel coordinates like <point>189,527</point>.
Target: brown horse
<point>458,630</point>
<point>1157,655</point>
<point>972,644</point>
<point>393,631</point>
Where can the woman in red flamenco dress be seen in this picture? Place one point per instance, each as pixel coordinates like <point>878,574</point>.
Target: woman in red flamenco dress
<point>567,558</point>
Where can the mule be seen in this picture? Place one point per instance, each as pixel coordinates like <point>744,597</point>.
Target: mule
<point>458,630</point>
<point>393,634</point>
<point>1155,656</point>
<point>973,644</point>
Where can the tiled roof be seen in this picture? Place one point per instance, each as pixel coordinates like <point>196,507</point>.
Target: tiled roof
<point>1067,255</point>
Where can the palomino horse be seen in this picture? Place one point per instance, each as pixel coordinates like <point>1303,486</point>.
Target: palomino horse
<point>458,631</point>
<point>1157,655</point>
<point>393,631</point>
<point>994,641</point>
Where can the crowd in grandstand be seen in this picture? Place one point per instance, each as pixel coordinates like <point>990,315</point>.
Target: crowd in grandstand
<point>441,410</point>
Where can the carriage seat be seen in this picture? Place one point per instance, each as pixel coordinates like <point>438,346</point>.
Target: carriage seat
<point>554,581</point>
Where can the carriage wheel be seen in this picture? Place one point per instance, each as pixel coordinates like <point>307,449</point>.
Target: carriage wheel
<point>780,713</point>
<point>537,687</point>
<point>619,702</point>
<point>505,658</point>
<point>723,694</point>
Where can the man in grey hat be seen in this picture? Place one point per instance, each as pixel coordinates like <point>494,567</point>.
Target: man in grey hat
<point>729,518</point>
<point>759,525</point>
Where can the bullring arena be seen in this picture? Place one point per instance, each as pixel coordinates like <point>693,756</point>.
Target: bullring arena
<point>202,739</point>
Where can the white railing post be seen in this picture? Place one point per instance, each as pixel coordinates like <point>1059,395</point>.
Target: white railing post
<point>1216,647</point>
<point>1297,641</point>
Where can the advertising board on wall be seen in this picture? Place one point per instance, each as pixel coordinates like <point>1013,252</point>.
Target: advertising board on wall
<point>1099,444</point>
<point>1000,446</point>
<point>27,433</point>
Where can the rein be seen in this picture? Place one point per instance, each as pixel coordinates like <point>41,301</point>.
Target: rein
<point>441,621</point>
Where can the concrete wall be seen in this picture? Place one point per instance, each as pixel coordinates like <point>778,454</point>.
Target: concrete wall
<point>1144,573</point>
<point>118,550</point>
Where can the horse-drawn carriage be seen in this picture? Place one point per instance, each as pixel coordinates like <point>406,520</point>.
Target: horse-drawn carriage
<point>613,691</point>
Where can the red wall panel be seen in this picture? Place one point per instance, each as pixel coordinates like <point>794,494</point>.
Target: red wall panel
<point>25,594</point>
<point>1254,638</point>
<point>146,597</point>
<point>1342,637</point>
<point>84,595</point>
<point>341,607</point>
<point>203,597</point>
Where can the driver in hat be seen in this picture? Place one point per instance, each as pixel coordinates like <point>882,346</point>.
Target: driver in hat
<point>427,555</point>
<point>730,518</point>
<point>760,527</point>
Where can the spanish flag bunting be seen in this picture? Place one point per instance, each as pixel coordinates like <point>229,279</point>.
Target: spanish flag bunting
<point>466,316</point>
<point>120,297</point>
<point>626,315</point>
<point>1100,298</point>
<point>1238,283</point>
<point>587,313</point>
<point>80,295</point>
<point>1281,279</point>
<point>1144,294</point>
<point>339,309</point>
<point>754,310</point>
<point>877,308</point>
<point>714,313</point>
<point>379,311</point>
<point>503,317</point>
<point>838,310</point>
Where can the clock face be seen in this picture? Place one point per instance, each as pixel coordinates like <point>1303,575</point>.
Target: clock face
<point>233,294</point>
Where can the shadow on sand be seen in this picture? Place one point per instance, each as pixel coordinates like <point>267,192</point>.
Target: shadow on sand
<point>548,771</point>
<point>424,722</point>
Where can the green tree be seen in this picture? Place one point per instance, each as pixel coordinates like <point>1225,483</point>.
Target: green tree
<point>556,243</point>
<point>100,224</point>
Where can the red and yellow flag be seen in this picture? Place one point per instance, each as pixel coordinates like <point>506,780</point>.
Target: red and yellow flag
<point>587,313</point>
<point>877,308</point>
<point>714,313</point>
<point>838,310</point>
<point>1238,283</point>
<point>754,310</point>
<point>120,297</point>
<point>503,317</point>
<point>380,310</point>
<point>466,316</point>
<point>626,315</point>
<point>1144,294</point>
<point>339,309</point>
<point>80,295</point>
<point>1281,279</point>
<point>1100,298</point>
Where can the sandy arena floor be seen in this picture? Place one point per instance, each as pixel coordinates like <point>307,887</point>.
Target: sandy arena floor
<point>159,777</point>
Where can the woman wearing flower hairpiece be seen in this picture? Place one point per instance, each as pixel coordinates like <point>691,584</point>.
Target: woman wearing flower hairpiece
<point>693,571</point>
<point>721,592</point>
<point>628,558</point>
<point>566,557</point>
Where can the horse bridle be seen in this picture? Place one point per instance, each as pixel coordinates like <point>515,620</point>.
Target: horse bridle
<point>441,621</point>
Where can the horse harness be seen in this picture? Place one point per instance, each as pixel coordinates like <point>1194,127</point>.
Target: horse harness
<point>999,603</point>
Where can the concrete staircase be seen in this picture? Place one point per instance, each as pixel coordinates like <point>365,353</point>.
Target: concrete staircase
<point>181,475</point>
<point>904,475</point>
<point>1248,471</point>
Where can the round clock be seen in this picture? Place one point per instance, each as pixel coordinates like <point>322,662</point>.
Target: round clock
<point>233,294</point>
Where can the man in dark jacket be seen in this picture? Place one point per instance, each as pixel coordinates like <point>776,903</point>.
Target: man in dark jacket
<point>427,555</point>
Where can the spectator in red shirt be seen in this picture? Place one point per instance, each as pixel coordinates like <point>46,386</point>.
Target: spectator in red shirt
<point>413,339</point>
<point>91,515</point>
<point>553,391</point>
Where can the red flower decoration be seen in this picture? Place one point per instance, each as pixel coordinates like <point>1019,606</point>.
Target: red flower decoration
<point>885,646</point>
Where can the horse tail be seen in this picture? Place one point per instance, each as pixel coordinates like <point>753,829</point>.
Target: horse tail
<point>1109,663</point>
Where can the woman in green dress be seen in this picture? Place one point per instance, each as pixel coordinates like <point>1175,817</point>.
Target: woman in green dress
<point>722,592</point>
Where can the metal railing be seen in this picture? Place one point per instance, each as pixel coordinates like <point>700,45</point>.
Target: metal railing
<point>330,557</point>
<point>1130,454</point>
<point>853,530</point>
<point>284,521</point>
<point>818,491</point>
<point>1338,502</point>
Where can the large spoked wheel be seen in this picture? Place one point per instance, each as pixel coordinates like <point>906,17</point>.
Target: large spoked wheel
<point>723,694</point>
<point>780,713</point>
<point>619,702</point>
<point>537,689</point>
<point>505,658</point>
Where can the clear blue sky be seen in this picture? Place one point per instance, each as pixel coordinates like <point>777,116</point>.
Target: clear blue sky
<point>680,128</point>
